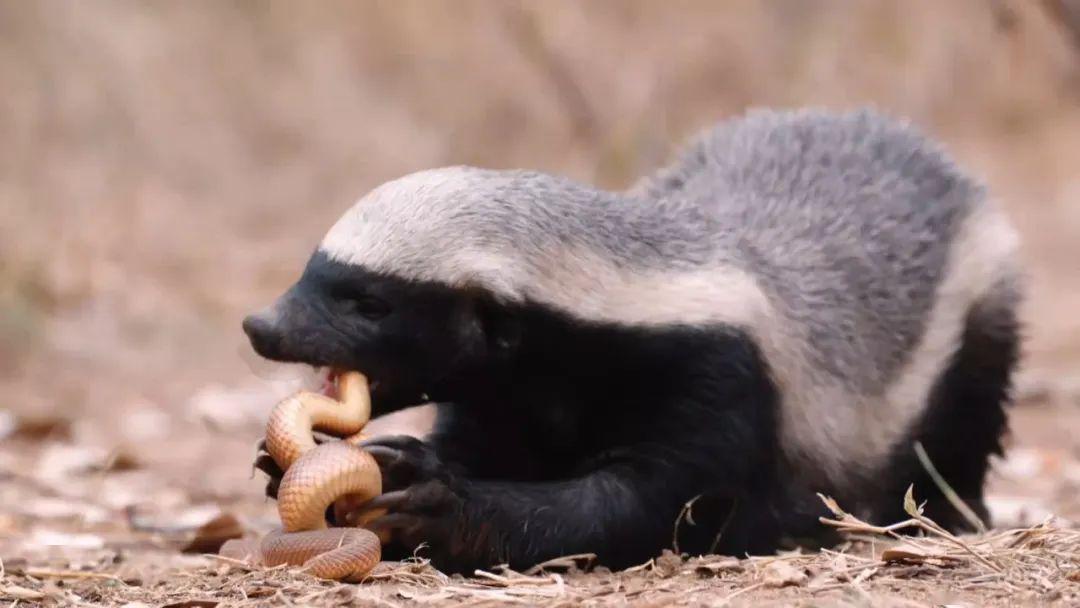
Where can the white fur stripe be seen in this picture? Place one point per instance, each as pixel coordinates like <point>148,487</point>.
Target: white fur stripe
<point>831,427</point>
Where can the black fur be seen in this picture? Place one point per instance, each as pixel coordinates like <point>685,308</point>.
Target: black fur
<point>964,420</point>
<point>556,436</point>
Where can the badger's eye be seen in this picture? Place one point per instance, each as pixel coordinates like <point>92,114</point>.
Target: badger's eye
<point>368,307</point>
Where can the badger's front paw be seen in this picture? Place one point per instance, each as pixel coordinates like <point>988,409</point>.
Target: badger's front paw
<point>422,499</point>
<point>405,461</point>
<point>265,463</point>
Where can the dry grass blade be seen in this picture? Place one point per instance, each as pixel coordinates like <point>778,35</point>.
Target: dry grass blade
<point>45,573</point>
<point>16,593</point>
<point>567,562</point>
<point>1037,561</point>
<point>947,490</point>
<point>932,527</point>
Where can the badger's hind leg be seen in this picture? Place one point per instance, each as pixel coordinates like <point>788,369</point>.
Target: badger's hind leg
<point>965,418</point>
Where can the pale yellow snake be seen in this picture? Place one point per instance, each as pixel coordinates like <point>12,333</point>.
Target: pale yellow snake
<point>317,476</point>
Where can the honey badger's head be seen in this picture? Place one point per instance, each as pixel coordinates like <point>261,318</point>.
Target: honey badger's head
<point>401,290</point>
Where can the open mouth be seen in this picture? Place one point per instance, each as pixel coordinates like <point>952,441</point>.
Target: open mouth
<point>329,381</point>
<point>381,392</point>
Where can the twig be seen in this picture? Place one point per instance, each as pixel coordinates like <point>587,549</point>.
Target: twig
<point>17,593</point>
<point>947,490</point>
<point>232,562</point>
<point>566,561</point>
<point>686,513</point>
<point>724,526</point>
<point>932,526</point>
<point>44,573</point>
<point>740,592</point>
<point>520,579</point>
<point>649,565</point>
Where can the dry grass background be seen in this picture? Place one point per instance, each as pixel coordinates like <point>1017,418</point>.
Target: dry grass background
<point>166,167</point>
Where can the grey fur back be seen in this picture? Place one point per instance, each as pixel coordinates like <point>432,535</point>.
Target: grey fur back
<point>846,218</point>
<point>846,244</point>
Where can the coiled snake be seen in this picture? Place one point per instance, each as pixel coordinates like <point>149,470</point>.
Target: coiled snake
<point>317,476</point>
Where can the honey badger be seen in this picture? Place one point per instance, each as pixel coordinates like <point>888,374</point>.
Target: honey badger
<point>786,309</point>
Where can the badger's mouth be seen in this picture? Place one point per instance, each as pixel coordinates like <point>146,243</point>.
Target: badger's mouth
<point>385,396</point>
<point>328,381</point>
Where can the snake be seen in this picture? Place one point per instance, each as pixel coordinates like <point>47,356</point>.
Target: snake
<point>316,477</point>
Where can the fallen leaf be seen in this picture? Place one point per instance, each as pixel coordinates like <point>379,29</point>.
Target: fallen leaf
<point>718,567</point>
<point>40,428</point>
<point>120,460</point>
<point>193,604</point>
<point>833,506</point>
<point>668,564</point>
<point>258,592</point>
<point>782,574</point>
<point>211,535</point>
<point>1073,576</point>
<point>909,555</point>
<point>910,506</point>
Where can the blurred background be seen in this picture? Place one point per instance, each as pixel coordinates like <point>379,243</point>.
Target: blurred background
<point>166,167</point>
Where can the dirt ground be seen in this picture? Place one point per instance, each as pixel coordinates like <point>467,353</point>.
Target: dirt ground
<point>80,525</point>
<point>166,167</point>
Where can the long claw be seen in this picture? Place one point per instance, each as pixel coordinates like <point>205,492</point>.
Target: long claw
<point>266,464</point>
<point>352,513</point>
<point>389,500</point>
<point>383,455</point>
<point>386,525</point>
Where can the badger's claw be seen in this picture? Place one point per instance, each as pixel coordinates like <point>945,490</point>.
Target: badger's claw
<point>405,461</point>
<point>420,500</point>
<point>429,513</point>
<point>265,463</point>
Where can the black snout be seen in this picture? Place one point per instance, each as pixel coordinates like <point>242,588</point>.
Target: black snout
<point>263,332</point>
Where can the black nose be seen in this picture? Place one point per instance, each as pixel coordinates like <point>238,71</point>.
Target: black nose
<point>263,333</point>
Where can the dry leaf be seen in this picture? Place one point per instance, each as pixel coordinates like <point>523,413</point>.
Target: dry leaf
<point>910,506</point>
<point>193,604</point>
<point>211,535</point>
<point>258,592</point>
<point>911,555</point>
<point>668,564</point>
<point>782,574</point>
<point>120,460</point>
<point>718,567</point>
<point>833,506</point>
<point>41,428</point>
<point>1073,576</point>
